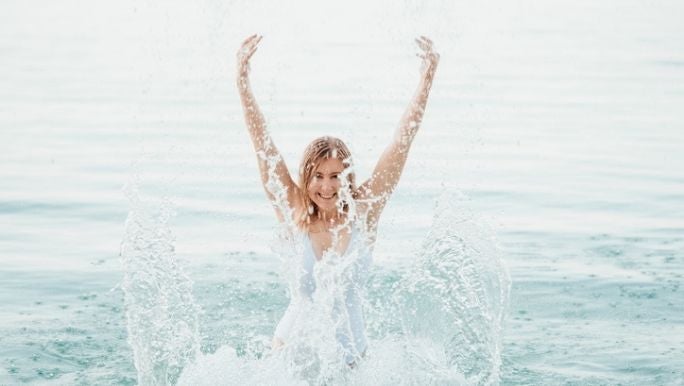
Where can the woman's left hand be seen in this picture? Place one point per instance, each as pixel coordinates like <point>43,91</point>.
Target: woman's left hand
<point>429,56</point>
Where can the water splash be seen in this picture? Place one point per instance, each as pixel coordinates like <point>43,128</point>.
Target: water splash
<point>441,321</point>
<point>454,300</point>
<point>161,314</point>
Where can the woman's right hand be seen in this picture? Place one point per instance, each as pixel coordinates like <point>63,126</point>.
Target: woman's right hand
<point>245,52</point>
<point>429,55</point>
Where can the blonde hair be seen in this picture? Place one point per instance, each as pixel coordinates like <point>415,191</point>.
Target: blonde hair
<point>318,150</point>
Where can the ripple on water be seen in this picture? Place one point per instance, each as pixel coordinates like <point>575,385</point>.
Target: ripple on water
<point>77,344</point>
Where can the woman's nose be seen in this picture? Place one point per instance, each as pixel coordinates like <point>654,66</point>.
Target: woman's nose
<point>328,186</point>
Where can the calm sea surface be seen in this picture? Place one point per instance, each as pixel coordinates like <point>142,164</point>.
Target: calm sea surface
<point>559,124</point>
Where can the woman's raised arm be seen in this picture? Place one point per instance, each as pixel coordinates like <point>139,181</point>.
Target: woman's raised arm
<point>388,169</point>
<point>281,190</point>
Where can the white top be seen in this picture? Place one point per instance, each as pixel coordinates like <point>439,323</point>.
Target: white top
<point>343,284</point>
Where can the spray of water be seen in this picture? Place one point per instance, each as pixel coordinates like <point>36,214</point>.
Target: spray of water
<point>161,314</point>
<point>439,322</point>
<point>456,295</point>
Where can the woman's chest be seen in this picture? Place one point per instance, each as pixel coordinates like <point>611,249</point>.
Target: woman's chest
<point>326,241</point>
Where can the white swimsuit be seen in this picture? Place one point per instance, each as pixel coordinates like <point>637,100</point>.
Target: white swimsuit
<point>346,283</point>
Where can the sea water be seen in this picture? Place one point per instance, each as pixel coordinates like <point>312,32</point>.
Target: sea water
<point>135,233</point>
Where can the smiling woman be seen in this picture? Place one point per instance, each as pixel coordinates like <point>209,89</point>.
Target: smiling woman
<point>328,219</point>
<point>326,162</point>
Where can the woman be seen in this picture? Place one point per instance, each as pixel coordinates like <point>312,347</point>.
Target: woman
<point>326,212</point>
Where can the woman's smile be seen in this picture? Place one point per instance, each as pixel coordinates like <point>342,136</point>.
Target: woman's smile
<point>327,197</point>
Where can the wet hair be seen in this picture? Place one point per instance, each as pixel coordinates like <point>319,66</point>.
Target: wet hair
<point>318,150</point>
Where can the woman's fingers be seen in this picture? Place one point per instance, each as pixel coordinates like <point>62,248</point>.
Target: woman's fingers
<point>424,43</point>
<point>254,39</point>
<point>248,39</point>
<point>250,42</point>
<point>249,46</point>
<point>430,58</point>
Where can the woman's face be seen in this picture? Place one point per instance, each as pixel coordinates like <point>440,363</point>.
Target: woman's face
<point>324,187</point>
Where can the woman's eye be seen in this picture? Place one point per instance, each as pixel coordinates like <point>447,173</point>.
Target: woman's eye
<point>334,176</point>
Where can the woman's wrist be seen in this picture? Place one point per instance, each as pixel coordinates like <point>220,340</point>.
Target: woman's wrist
<point>429,72</point>
<point>242,81</point>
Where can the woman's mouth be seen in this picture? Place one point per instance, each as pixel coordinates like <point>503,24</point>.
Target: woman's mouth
<point>330,197</point>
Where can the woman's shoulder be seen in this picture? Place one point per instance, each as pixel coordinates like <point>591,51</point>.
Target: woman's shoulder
<point>294,212</point>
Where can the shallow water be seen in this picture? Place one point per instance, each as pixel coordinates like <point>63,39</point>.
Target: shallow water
<point>560,123</point>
